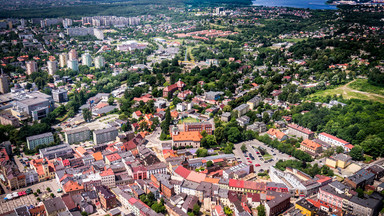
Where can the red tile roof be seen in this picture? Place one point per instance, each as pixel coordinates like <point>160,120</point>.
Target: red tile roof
<point>334,138</point>
<point>301,129</point>
<point>182,171</point>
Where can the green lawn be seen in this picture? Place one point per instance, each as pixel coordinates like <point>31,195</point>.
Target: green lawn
<point>267,156</point>
<point>363,85</point>
<point>188,120</point>
<point>294,40</point>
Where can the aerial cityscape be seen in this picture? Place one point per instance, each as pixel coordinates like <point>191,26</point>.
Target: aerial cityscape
<point>192,108</point>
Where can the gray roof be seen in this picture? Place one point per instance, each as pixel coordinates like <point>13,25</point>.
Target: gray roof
<point>39,136</point>
<point>54,204</point>
<point>105,109</point>
<point>241,107</point>
<point>105,130</point>
<point>77,130</point>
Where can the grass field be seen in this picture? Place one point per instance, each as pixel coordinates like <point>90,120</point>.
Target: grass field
<point>348,93</point>
<point>267,156</point>
<point>363,85</point>
<point>294,40</point>
<point>188,120</point>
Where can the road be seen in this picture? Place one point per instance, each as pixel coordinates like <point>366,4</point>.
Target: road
<point>257,158</point>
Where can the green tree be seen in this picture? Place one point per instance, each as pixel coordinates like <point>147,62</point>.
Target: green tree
<point>260,210</point>
<point>339,149</point>
<point>227,211</point>
<point>266,118</point>
<point>243,148</point>
<point>220,134</point>
<point>234,135</point>
<point>360,193</point>
<point>196,209</point>
<point>357,153</point>
<point>111,100</point>
<point>373,146</point>
<point>201,152</point>
<point>209,163</point>
<point>87,115</point>
<point>204,133</point>
<point>84,213</point>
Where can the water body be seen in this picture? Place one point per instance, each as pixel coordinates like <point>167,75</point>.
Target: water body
<point>312,4</point>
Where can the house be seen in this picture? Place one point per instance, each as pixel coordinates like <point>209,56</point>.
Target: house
<point>137,114</point>
<point>211,95</point>
<point>311,147</point>
<point>107,198</point>
<point>277,134</point>
<point>180,107</point>
<point>298,131</point>
<point>277,203</point>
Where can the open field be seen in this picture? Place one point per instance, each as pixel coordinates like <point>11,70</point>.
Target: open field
<point>294,40</point>
<point>188,120</point>
<point>363,85</point>
<point>348,93</point>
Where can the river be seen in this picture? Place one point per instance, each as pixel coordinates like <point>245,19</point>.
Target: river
<point>312,4</point>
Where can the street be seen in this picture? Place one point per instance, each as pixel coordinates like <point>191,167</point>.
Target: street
<point>258,159</point>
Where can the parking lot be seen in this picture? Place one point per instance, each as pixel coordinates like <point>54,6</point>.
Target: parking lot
<point>9,205</point>
<point>257,158</point>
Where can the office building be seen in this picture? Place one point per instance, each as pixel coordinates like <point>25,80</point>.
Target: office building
<point>86,59</point>
<point>67,22</point>
<point>62,150</point>
<point>99,62</point>
<point>198,126</point>
<point>31,67</point>
<point>77,135</point>
<point>4,83</point>
<point>298,131</point>
<point>73,65</point>
<point>72,55</point>
<point>52,67</point>
<point>60,95</point>
<point>63,59</point>
<point>35,104</point>
<point>104,135</point>
<point>41,139</point>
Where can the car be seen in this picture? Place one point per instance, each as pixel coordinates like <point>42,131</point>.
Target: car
<point>257,152</point>
<point>257,165</point>
<point>274,153</point>
<point>249,161</point>
<point>290,156</point>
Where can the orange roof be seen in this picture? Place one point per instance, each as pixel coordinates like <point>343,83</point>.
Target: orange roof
<point>276,133</point>
<point>212,180</point>
<point>144,133</point>
<point>72,186</point>
<point>174,114</point>
<point>310,144</point>
<point>80,150</point>
<point>113,157</point>
<point>196,177</point>
<point>98,156</point>
<point>101,105</point>
<point>188,136</point>
<point>107,172</point>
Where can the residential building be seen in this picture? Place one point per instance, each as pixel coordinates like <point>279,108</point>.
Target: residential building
<point>77,135</point>
<point>211,95</point>
<point>61,150</point>
<point>243,121</point>
<point>107,198</point>
<point>226,117</point>
<point>41,139</point>
<point>7,119</point>
<point>105,135</point>
<point>259,127</point>
<point>72,55</point>
<point>311,147</point>
<point>60,95</point>
<point>86,59</point>
<point>44,168</point>
<point>54,206</point>
<point>31,67</point>
<point>306,208</point>
<point>254,102</point>
<point>52,67</point>
<point>338,161</point>
<point>332,196</point>
<point>333,140</point>
<point>73,64</point>
<point>63,59</point>
<point>277,134</point>
<point>242,109</point>
<point>99,62</point>
<point>277,203</point>
<point>190,138</point>
<point>360,179</point>
<point>108,178</point>
<point>246,186</point>
<point>298,131</point>
<point>359,206</point>
<point>4,83</point>
<point>199,126</point>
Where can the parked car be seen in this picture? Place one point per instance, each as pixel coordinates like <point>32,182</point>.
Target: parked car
<point>257,165</point>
